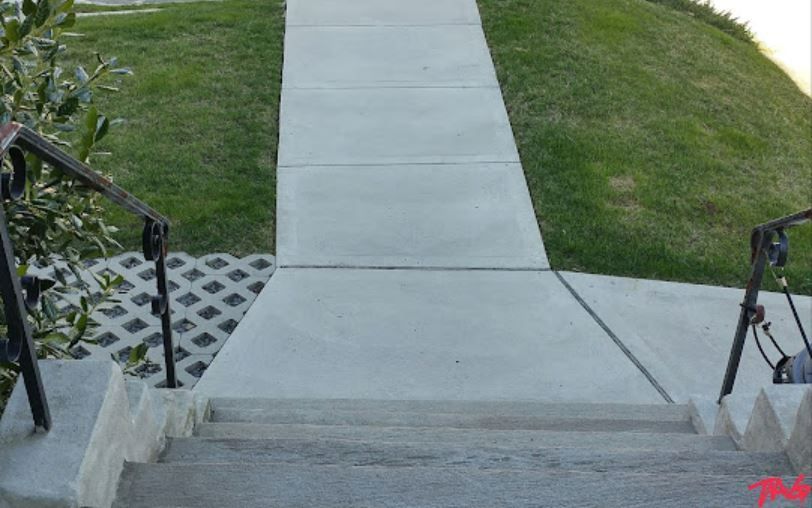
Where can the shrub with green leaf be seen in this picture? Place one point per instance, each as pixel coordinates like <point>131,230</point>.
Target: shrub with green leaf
<point>57,219</point>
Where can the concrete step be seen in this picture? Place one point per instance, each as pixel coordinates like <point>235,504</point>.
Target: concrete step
<point>481,415</point>
<point>348,453</point>
<point>428,436</point>
<point>262,485</point>
<point>670,412</point>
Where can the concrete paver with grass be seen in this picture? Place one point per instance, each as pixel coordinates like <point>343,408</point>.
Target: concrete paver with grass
<point>410,262</point>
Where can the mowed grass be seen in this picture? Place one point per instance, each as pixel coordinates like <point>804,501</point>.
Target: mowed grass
<point>652,142</point>
<point>201,113</point>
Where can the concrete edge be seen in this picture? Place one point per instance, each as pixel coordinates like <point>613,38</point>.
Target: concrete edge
<point>799,446</point>
<point>764,431</point>
<point>733,417</point>
<point>702,412</point>
<point>777,419</point>
<point>100,421</point>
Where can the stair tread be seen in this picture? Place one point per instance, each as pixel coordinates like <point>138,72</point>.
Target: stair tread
<point>468,437</point>
<point>268,408</point>
<point>485,456</point>
<point>249,485</point>
<point>458,420</point>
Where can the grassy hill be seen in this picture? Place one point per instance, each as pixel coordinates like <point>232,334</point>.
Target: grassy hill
<point>651,140</point>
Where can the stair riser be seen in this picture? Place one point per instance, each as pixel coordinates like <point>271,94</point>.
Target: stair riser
<point>293,451</point>
<point>515,439</point>
<point>200,486</point>
<point>581,411</point>
<point>460,421</point>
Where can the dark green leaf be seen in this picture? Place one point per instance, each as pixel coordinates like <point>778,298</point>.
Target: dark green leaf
<point>13,30</point>
<point>56,337</point>
<point>26,27</point>
<point>102,126</point>
<point>46,284</point>
<point>65,6</point>
<point>43,13</point>
<point>29,7</point>
<point>137,354</point>
<point>65,20</point>
<point>80,327</point>
<point>68,107</point>
<point>49,308</point>
<point>58,275</point>
<point>90,119</point>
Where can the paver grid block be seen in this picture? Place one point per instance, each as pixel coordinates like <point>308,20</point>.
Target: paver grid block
<point>209,296</point>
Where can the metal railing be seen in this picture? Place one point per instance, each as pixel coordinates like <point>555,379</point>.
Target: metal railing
<point>763,251</point>
<point>15,141</point>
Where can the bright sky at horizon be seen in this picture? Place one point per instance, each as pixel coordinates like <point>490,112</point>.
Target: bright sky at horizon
<point>784,29</point>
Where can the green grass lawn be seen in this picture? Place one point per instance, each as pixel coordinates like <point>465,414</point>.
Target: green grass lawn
<point>199,140</point>
<point>652,142</point>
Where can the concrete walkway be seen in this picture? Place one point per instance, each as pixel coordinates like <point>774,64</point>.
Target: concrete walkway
<point>410,262</point>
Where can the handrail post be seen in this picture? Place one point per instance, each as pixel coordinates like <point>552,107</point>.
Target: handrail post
<point>15,139</point>
<point>760,242</point>
<point>19,346</point>
<point>155,249</point>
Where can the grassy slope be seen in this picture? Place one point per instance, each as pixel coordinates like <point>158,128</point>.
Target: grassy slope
<point>652,142</point>
<point>200,139</point>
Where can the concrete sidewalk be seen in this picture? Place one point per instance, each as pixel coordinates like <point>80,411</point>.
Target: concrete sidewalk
<point>410,262</point>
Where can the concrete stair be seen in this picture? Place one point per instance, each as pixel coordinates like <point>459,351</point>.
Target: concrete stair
<point>389,453</point>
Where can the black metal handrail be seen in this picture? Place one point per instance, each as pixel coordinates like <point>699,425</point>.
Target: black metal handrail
<point>763,251</point>
<point>15,140</point>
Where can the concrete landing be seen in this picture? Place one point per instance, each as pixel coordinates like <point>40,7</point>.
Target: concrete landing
<point>682,333</point>
<point>422,334</point>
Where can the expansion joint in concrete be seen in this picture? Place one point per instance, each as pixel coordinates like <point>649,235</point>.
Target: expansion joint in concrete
<point>612,335</point>
<point>416,268</point>
<point>306,166</point>
<point>380,25</point>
